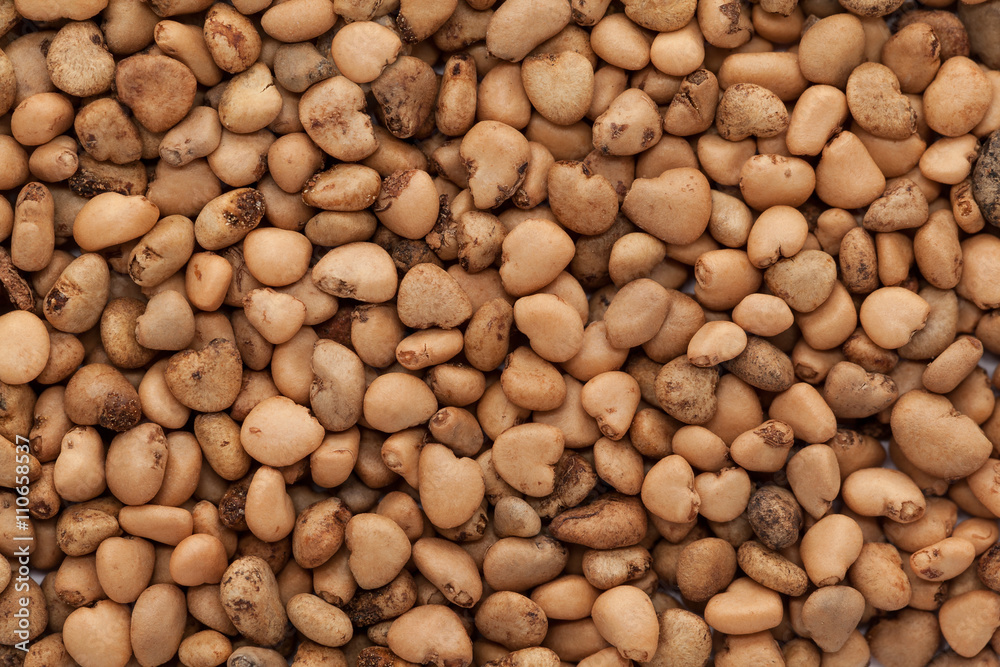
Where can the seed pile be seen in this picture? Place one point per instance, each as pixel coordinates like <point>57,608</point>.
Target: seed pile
<point>525,333</point>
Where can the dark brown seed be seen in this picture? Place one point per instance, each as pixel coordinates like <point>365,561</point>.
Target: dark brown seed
<point>986,176</point>
<point>775,517</point>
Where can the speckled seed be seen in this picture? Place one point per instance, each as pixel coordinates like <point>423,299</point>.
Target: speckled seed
<point>687,392</point>
<point>630,125</point>
<point>351,137</point>
<point>877,104</point>
<point>747,109</point>
<point>231,38</point>
<point>851,392</point>
<point>771,569</point>
<point>804,281</point>
<point>725,24</point>
<point>692,110</point>
<point>901,206</point>
<point>249,595</point>
<point>764,448</point>
<point>511,619</point>
<point>775,516</point>
<point>985,190</point>
<point>78,61</point>
<point>762,365</point>
<point>609,522</point>
<point>207,380</point>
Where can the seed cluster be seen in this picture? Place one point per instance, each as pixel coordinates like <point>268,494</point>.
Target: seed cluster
<point>508,333</point>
